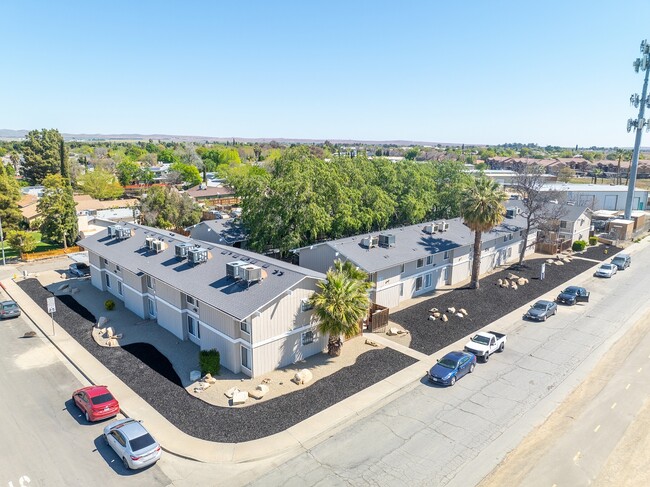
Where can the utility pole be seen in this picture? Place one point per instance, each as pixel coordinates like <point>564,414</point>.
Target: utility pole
<point>2,240</point>
<point>643,64</point>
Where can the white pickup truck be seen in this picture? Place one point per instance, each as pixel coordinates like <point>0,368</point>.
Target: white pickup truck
<point>484,344</point>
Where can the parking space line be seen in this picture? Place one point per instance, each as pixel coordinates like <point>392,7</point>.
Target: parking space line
<point>627,386</point>
<point>597,428</point>
<point>613,406</point>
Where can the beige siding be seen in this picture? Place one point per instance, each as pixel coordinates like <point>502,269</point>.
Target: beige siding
<point>320,258</point>
<point>168,293</point>
<point>218,320</point>
<point>285,351</point>
<point>284,314</point>
<point>228,351</point>
<point>131,279</point>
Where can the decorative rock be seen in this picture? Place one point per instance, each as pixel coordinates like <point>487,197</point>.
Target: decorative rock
<point>521,281</point>
<point>303,377</point>
<point>239,397</point>
<point>463,310</point>
<point>506,284</point>
<point>195,375</point>
<point>29,334</point>
<point>63,287</point>
<point>431,318</point>
<point>460,315</point>
<point>437,314</point>
<point>500,282</point>
<point>393,331</point>
<point>231,392</point>
<point>368,342</point>
<point>444,318</point>
<point>549,261</point>
<point>433,310</point>
<point>451,310</point>
<point>102,321</point>
<point>109,332</point>
<point>514,286</point>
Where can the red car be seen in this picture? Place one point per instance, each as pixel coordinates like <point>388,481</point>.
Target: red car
<point>96,402</point>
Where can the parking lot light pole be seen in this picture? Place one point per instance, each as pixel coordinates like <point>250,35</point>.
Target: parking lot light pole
<point>643,64</point>
<point>2,242</point>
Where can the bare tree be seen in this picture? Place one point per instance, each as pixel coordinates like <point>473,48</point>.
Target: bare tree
<point>537,204</point>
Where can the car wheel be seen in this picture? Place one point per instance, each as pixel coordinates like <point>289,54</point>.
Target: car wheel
<point>544,318</point>
<point>87,417</point>
<point>502,347</point>
<point>471,368</point>
<point>126,464</point>
<point>486,357</point>
<point>452,381</point>
<point>555,310</point>
<point>105,439</point>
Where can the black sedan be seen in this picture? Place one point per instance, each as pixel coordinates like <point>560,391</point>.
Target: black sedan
<point>541,310</point>
<point>573,295</point>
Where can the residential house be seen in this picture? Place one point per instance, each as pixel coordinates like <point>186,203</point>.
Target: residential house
<point>225,231</point>
<point>574,223</point>
<point>600,196</point>
<point>253,309</point>
<point>214,194</point>
<point>413,260</point>
<point>565,224</point>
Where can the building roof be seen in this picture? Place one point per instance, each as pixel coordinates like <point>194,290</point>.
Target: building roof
<point>226,230</point>
<point>609,188</point>
<point>573,212</point>
<point>27,200</point>
<point>412,242</point>
<point>208,281</point>
<point>86,202</point>
<point>211,190</point>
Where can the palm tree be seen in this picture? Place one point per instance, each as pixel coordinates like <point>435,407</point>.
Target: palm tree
<point>341,303</point>
<point>482,209</point>
<point>596,174</point>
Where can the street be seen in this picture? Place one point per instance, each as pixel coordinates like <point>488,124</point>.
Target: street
<point>456,436</point>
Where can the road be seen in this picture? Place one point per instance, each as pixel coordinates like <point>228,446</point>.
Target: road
<point>456,436</point>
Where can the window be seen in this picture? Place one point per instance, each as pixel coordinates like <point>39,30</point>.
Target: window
<point>190,300</point>
<point>446,255</point>
<point>429,259</point>
<point>509,252</point>
<point>305,305</point>
<point>521,233</point>
<point>193,327</point>
<point>108,280</point>
<point>418,283</point>
<point>402,269</point>
<point>117,268</point>
<point>401,289</point>
<point>563,224</point>
<point>245,359</point>
<point>420,263</point>
<point>505,238</point>
<point>151,283</point>
<point>307,337</point>
<point>427,280</point>
<point>119,288</point>
<point>510,236</point>
<point>105,261</point>
<point>152,307</point>
<point>243,325</point>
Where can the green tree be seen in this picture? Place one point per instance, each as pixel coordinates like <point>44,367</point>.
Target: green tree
<point>165,207</point>
<point>58,209</point>
<point>21,241</point>
<point>41,154</point>
<point>100,184</point>
<point>482,209</point>
<point>189,174</point>
<point>128,172</point>
<point>411,154</point>
<point>341,303</point>
<point>566,174</point>
<point>9,196</point>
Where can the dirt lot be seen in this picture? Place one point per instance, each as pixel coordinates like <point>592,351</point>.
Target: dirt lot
<point>488,303</point>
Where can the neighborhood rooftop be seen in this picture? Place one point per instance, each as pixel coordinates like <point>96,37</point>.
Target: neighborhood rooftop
<point>207,281</point>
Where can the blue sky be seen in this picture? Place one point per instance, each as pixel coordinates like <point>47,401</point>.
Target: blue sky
<point>553,72</point>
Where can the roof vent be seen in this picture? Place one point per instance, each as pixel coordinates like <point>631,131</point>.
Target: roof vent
<point>387,240</point>
<point>197,255</point>
<point>233,269</point>
<point>370,242</point>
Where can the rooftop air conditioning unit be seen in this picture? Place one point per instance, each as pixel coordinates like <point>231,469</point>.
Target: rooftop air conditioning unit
<point>431,228</point>
<point>443,226</point>
<point>387,240</point>
<point>112,230</point>
<point>148,242</point>
<point>510,213</point>
<point>181,250</point>
<point>251,273</point>
<point>233,269</point>
<point>157,245</point>
<point>197,255</point>
<point>370,242</point>
<point>122,233</point>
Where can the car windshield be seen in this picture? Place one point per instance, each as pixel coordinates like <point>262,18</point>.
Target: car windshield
<point>541,306</point>
<point>9,306</point>
<point>102,398</point>
<point>141,442</point>
<point>606,267</point>
<point>571,290</point>
<point>448,363</point>
<point>481,339</point>
<point>618,259</point>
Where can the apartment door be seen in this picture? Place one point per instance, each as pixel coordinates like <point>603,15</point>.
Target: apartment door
<point>610,202</point>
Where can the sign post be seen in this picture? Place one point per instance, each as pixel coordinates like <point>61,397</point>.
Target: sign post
<point>51,308</point>
<point>542,273</point>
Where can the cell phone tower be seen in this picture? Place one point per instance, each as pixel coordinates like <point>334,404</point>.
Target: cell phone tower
<point>643,64</point>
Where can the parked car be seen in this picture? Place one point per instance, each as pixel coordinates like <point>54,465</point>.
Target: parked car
<point>573,295</point>
<point>622,261</point>
<point>606,270</point>
<point>9,309</point>
<point>452,367</point>
<point>541,310</point>
<point>484,344</point>
<point>96,402</point>
<point>132,443</point>
<point>79,269</point>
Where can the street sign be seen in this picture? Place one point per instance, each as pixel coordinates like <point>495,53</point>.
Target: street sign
<point>542,274</point>
<point>51,305</point>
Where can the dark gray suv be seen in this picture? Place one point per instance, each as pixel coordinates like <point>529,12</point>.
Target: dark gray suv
<point>622,261</point>
<point>9,309</point>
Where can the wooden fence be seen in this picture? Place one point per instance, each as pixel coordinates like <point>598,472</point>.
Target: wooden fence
<point>29,256</point>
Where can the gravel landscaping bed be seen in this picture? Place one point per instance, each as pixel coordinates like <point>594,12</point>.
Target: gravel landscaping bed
<point>201,420</point>
<point>597,252</point>
<point>488,303</point>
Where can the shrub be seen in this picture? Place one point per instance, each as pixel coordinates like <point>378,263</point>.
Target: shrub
<point>579,245</point>
<point>593,240</point>
<point>109,304</point>
<point>210,362</point>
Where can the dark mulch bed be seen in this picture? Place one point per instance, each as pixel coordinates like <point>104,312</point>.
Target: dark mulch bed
<point>599,252</point>
<point>152,358</point>
<point>486,304</point>
<point>213,423</point>
<point>72,303</point>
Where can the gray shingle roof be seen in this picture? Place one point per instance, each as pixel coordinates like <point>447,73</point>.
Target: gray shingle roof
<point>207,281</point>
<point>411,242</point>
<point>228,229</point>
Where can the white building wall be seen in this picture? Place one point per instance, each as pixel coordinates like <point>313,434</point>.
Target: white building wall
<point>320,258</point>
<point>228,350</point>
<point>169,317</point>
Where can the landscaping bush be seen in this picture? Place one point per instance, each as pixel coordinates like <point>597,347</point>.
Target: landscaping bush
<point>109,304</point>
<point>593,240</point>
<point>210,362</point>
<point>579,245</point>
